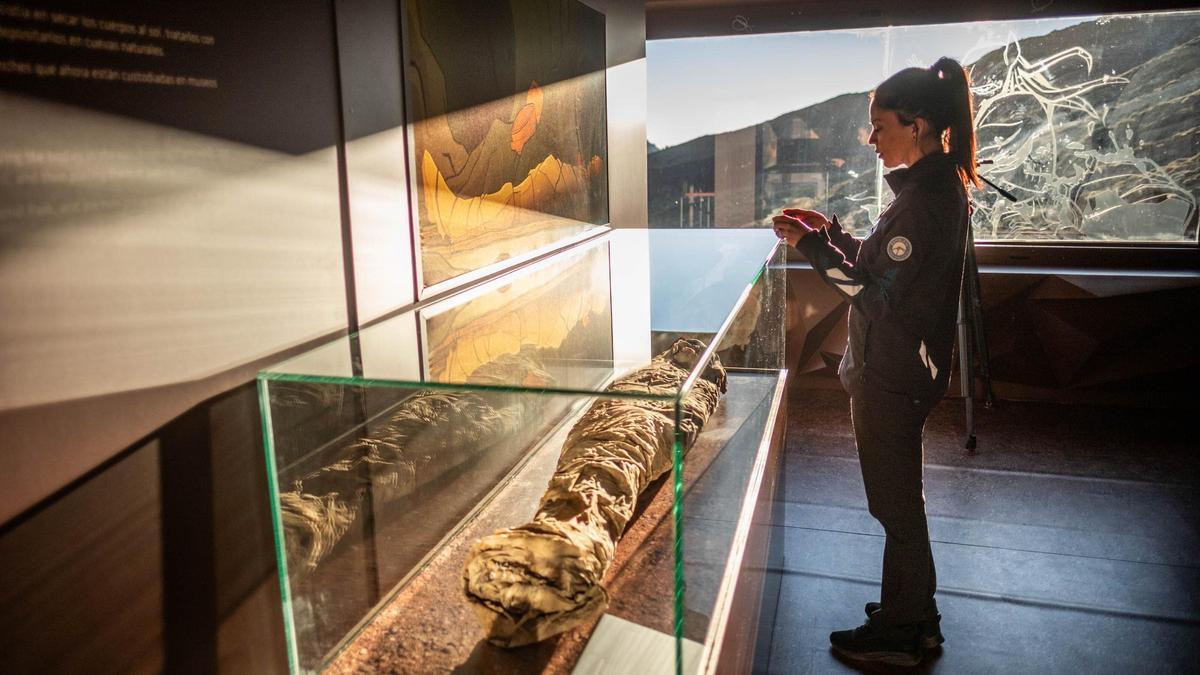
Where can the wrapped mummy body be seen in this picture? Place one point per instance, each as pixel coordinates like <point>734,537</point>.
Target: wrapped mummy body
<point>428,434</point>
<point>531,582</point>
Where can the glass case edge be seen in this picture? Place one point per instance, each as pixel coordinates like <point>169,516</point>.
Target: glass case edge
<point>714,638</point>
<point>289,628</point>
<point>677,523</point>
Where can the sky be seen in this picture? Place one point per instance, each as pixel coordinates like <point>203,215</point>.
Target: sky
<point>699,86</point>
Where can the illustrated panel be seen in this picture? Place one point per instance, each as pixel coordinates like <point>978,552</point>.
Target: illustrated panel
<point>558,314</point>
<point>509,146</point>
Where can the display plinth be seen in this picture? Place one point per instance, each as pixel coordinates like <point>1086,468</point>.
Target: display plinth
<point>393,451</point>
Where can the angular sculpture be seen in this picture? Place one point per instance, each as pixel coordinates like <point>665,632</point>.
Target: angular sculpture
<point>534,581</point>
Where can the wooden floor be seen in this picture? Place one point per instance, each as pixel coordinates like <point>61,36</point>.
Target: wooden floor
<point>1069,544</point>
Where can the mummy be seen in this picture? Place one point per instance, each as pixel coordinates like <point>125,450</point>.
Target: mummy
<point>534,581</point>
<point>425,436</point>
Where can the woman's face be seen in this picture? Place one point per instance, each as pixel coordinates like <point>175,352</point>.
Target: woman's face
<point>895,142</point>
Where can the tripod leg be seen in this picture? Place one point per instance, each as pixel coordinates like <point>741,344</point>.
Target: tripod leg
<point>965,370</point>
<point>975,305</point>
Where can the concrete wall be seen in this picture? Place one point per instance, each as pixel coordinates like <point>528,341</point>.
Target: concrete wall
<point>626,36</point>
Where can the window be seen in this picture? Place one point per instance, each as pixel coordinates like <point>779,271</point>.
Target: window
<point>1090,123</point>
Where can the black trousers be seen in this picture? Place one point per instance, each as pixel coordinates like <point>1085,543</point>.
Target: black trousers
<point>887,430</point>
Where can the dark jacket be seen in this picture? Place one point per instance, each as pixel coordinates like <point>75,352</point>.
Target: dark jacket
<point>902,281</point>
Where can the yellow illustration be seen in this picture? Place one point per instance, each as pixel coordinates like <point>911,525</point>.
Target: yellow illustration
<point>562,308</point>
<point>527,119</point>
<point>509,141</point>
<point>454,216</point>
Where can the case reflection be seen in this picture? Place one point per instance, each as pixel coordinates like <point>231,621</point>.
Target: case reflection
<point>373,480</point>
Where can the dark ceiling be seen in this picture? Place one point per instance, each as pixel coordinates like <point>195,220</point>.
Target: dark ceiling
<point>695,18</point>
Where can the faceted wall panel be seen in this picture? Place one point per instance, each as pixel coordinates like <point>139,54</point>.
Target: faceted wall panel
<point>1069,337</point>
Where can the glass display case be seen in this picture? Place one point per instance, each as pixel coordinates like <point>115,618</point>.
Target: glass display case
<point>557,459</point>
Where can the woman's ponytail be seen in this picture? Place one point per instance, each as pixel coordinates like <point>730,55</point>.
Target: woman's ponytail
<point>942,95</point>
<point>958,115</point>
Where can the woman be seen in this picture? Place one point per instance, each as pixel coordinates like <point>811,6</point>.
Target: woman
<point>902,283</point>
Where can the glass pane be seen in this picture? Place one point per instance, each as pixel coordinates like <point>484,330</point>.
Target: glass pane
<point>362,512</point>
<point>1089,122</point>
<point>718,477</point>
<point>694,280</point>
<point>778,124</point>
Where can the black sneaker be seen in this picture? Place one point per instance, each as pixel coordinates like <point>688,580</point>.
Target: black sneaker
<point>895,646</point>
<point>929,630</point>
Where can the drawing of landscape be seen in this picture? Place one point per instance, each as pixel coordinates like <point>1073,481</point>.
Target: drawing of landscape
<point>560,313</point>
<point>1093,128</point>
<point>509,149</point>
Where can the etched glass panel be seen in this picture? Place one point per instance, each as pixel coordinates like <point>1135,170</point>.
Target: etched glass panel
<point>1091,126</point>
<point>1088,122</point>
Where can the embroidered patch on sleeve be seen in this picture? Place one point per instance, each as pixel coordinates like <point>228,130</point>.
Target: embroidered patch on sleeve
<point>899,249</point>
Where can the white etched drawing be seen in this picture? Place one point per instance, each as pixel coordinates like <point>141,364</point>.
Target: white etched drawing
<point>1075,176</point>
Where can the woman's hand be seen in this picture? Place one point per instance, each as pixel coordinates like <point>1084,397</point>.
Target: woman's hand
<point>814,219</point>
<point>793,224</point>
